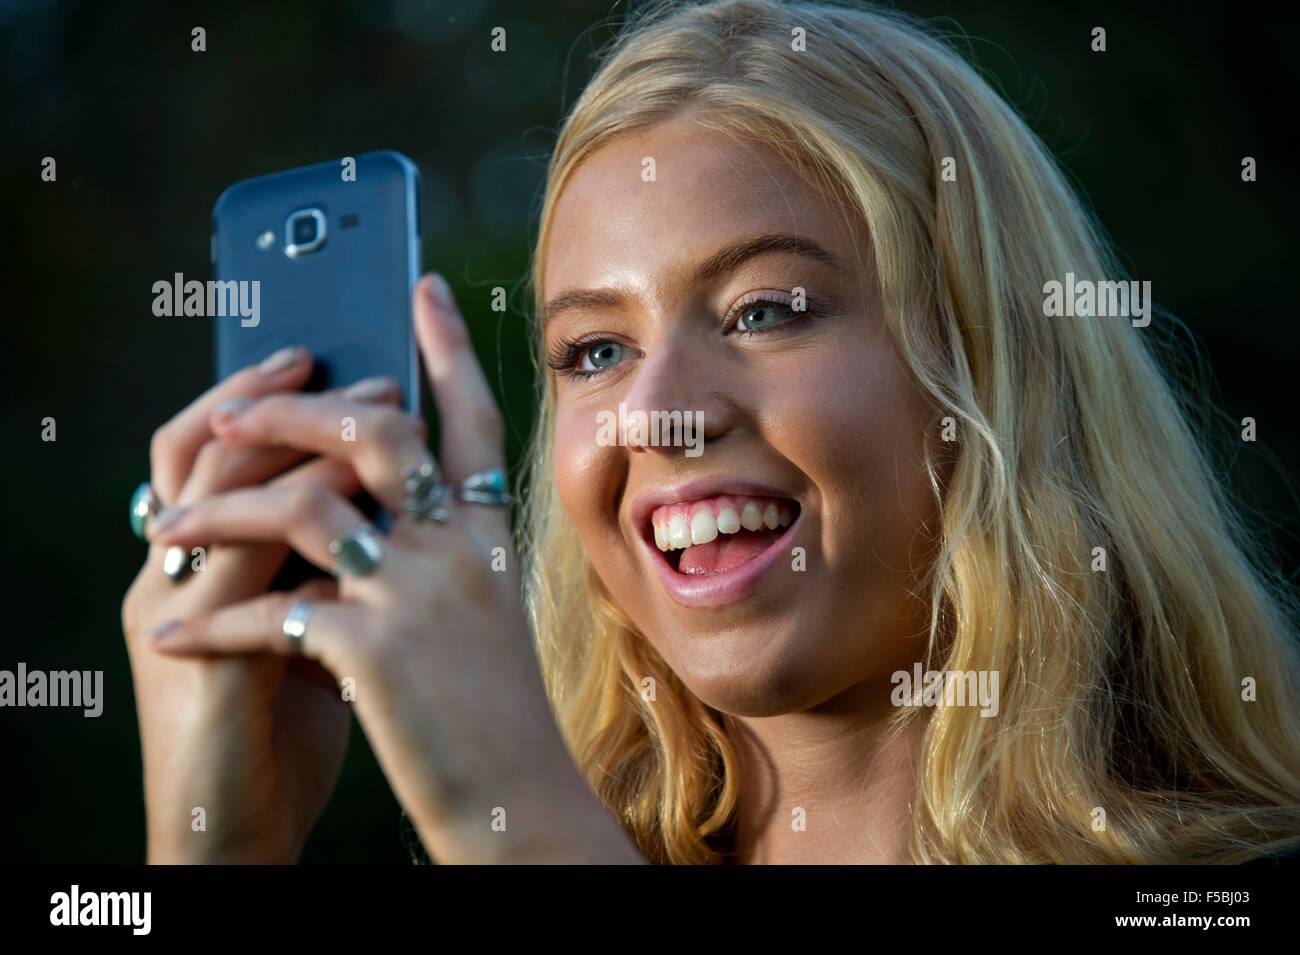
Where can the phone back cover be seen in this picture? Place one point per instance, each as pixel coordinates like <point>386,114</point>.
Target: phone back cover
<point>349,301</point>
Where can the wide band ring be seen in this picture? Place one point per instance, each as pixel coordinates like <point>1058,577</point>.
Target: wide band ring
<point>357,553</point>
<point>295,625</point>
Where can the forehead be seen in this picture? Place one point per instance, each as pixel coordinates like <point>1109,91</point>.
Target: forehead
<point>613,227</point>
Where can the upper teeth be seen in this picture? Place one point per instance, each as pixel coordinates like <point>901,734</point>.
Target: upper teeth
<point>681,525</point>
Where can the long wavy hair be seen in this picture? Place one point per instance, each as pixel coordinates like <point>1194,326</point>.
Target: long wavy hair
<point>1122,689</point>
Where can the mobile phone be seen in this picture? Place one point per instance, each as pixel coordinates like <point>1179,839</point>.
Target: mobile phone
<point>327,256</point>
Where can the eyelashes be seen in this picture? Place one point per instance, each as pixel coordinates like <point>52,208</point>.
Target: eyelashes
<point>564,356</point>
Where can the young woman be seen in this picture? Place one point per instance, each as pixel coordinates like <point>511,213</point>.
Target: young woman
<point>816,235</point>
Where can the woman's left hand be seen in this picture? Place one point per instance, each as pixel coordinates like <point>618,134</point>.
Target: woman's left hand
<point>432,647</point>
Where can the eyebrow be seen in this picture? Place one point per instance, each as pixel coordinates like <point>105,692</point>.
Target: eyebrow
<point>720,263</point>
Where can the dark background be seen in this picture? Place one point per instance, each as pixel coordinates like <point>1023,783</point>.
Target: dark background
<point>147,133</point>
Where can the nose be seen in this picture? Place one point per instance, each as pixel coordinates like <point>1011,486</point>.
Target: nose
<point>677,398</point>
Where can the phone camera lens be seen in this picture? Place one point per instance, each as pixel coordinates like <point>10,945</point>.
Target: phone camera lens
<point>304,231</point>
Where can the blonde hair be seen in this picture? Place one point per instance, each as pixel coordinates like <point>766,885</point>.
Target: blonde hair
<point>1121,690</point>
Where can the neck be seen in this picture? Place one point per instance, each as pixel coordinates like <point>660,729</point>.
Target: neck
<point>830,785</point>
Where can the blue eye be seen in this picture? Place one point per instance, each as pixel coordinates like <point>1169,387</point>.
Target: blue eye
<point>763,321</point>
<point>589,357</point>
<point>586,358</point>
<point>600,356</point>
<point>758,315</point>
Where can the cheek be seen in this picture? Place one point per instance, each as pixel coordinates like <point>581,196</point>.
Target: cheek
<point>580,467</point>
<point>588,478</point>
<point>855,424</point>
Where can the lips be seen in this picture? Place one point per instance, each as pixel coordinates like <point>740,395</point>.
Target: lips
<point>712,541</point>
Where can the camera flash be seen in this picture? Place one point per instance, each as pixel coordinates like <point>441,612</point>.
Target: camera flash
<point>265,240</point>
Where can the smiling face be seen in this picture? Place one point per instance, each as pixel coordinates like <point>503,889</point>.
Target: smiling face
<point>678,295</point>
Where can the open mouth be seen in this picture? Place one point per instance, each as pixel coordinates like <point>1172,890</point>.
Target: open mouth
<point>718,534</point>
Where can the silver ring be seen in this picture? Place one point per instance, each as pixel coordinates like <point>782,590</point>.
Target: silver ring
<point>177,564</point>
<point>144,507</point>
<point>295,625</point>
<point>427,491</point>
<point>485,487</point>
<point>357,553</point>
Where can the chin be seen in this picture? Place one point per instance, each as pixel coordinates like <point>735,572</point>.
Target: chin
<point>750,671</point>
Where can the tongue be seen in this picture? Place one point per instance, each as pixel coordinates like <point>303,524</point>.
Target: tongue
<point>726,551</point>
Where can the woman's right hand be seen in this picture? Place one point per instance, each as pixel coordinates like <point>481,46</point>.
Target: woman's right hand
<point>220,785</point>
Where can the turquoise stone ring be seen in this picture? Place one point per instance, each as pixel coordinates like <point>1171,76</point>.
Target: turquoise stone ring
<point>485,487</point>
<point>144,505</point>
<point>428,492</point>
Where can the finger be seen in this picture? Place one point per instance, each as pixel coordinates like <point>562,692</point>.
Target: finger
<point>254,564</point>
<point>211,574</point>
<point>377,441</point>
<point>175,445</point>
<point>472,430</point>
<point>329,473</point>
<point>305,515</point>
<point>326,473</point>
<point>219,466</point>
<point>251,565</point>
<point>319,589</point>
<point>257,626</point>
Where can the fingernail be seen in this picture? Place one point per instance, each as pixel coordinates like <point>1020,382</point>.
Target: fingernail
<point>369,388</point>
<point>165,519</point>
<point>441,290</point>
<point>228,409</point>
<point>283,359</point>
<point>160,632</point>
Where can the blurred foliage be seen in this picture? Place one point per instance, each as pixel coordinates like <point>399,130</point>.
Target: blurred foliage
<point>147,133</point>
